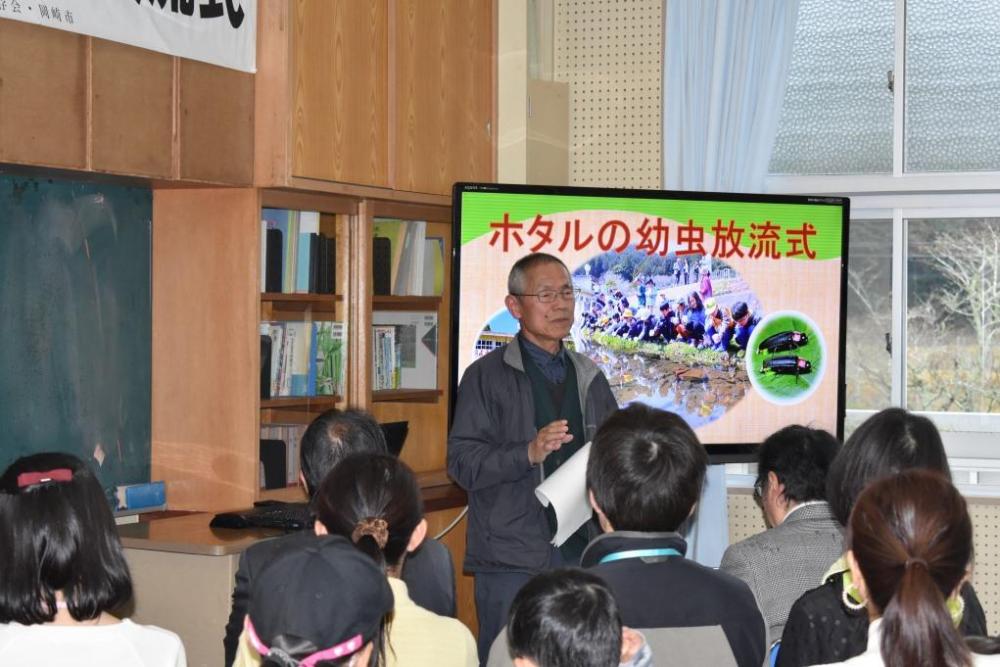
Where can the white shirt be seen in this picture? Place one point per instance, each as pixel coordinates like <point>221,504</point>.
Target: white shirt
<point>872,657</point>
<point>124,644</point>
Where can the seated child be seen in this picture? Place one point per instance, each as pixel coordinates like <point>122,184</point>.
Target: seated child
<point>568,618</point>
<point>64,573</point>
<point>324,603</point>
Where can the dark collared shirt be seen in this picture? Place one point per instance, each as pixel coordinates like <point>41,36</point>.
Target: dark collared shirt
<point>552,366</point>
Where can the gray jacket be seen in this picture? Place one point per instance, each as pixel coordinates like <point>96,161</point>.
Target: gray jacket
<point>488,457</point>
<point>782,563</point>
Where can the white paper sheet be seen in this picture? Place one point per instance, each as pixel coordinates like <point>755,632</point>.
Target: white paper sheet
<point>566,491</point>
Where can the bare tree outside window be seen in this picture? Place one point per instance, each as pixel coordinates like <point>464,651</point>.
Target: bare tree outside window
<point>953,323</point>
<point>869,314</point>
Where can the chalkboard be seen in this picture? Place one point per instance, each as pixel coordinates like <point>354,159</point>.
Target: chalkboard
<point>75,323</point>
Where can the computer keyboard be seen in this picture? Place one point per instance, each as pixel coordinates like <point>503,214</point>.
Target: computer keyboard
<point>267,514</point>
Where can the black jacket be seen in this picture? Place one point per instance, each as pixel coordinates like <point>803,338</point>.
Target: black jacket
<point>656,593</point>
<point>428,573</point>
<point>488,457</point>
<point>820,629</point>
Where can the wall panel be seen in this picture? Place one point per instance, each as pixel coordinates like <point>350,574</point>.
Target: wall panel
<point>216,124</point>
<point>43,96</point>
<point>132,93</point>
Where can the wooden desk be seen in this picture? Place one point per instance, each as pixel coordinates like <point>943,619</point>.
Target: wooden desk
<point>183,571</point>
<point>183,574</point>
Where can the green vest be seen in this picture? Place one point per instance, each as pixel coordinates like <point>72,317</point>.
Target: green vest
<point>546,396</point>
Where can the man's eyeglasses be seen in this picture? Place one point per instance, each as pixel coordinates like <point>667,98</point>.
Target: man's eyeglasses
<point>549,295</point>
<point>758,491</point>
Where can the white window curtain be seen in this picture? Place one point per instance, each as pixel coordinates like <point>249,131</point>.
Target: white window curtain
<point>725,69</point>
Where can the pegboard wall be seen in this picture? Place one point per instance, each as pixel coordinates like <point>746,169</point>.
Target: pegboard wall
<point>746,519</point>
<point>610,52</point>
<point>986,569</point>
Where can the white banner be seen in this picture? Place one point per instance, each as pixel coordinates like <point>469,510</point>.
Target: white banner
<point>220,32</point>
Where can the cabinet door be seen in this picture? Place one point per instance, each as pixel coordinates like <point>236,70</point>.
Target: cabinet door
<point>443,89</point>
<point>340,86</point>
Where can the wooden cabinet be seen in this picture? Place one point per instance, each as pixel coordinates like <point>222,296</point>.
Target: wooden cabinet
<point>340,124</point>
<point>443,102</point>
<point>389,94</point>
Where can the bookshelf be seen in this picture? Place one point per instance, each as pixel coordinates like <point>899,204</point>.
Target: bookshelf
<point>207,308</point>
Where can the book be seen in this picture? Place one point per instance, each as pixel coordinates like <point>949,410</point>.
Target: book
<point>327,369</point>
<point>394,231</point>
<point>263,255</point>
<point>273,260</point>
<point>415,335</point>
<point>312,282</point>
<point>381,266</point>
<point>276,331</point>
<point>323,264</point>
<point>265,365</point>
<point>308,225</point>
<point>299,335</point>
<point>291,253</point>
<point>328,262</point>
<point>410,272</point>
<point>278,219</point>
<point>290,434</point>
<point>384,359</point>
<point>433,282</point>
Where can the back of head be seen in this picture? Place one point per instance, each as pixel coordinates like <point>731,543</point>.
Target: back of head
<point>646,469</point>
<point>321,603</point>
<point>885,444</point>
<point>334,435</point>
<point>912,539</point>
<point>565,618</point>
<point>57,534</point>
<point>800,457</point>
<point>373,500</point>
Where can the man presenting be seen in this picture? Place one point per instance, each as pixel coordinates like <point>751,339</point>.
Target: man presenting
<point>521,411</point>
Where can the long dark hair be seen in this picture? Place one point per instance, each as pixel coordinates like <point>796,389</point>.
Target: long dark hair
<point>374,501</point>
<point>912,538</point>
<point>693,294</point>
<point>884,444</point>
<point>57,534</point>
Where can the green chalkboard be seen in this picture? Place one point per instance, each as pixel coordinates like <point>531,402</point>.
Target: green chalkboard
<point>75,323</point>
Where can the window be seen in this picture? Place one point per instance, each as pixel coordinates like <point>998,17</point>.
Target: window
<point>894,104</point>
<point>844,93</point>
<point>837,115</point>
<point>867,364</point>
<point>952,319</point>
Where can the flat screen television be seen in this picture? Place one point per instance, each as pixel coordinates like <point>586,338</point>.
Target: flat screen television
<point>727,309</point>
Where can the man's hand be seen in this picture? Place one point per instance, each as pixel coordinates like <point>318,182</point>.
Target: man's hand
<point>549,439</point>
